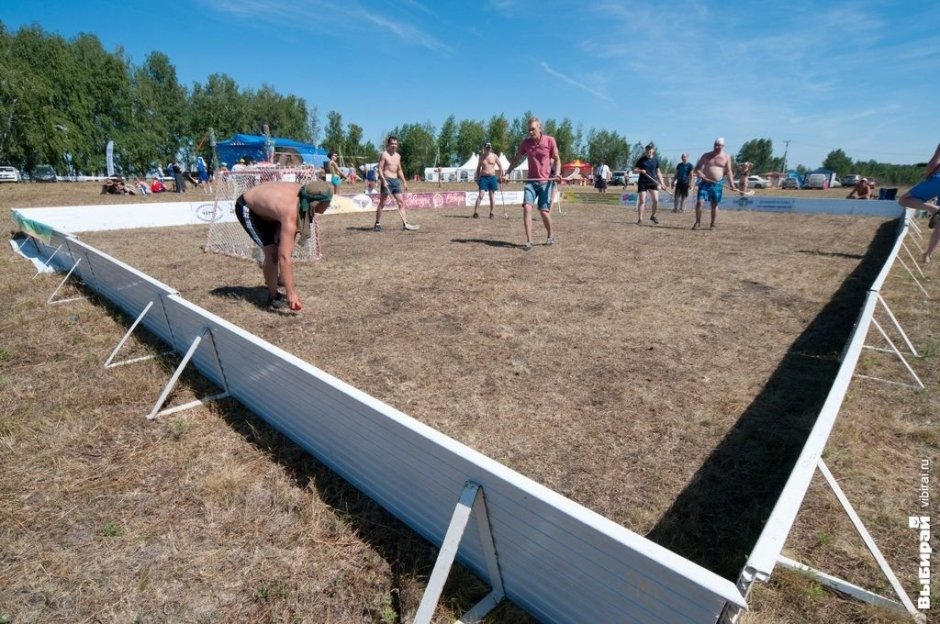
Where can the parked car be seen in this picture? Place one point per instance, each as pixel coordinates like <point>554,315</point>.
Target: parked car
<point>9,174</point>
<point>623,178</point>
<point>789,183</point>
<point>851,180</point>
<point>755,181</point>
<point>44,173</point>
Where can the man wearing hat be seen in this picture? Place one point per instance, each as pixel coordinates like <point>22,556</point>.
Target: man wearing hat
<point>273,214</point>
<point>649,182</point>
<point>711,170</point>
<point>487,166</point>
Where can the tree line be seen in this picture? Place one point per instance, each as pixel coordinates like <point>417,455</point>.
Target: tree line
<point>62,100</point>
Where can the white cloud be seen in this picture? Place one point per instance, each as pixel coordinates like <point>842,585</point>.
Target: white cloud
<point>557,74</point>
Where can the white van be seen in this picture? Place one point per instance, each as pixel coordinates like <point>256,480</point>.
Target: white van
<point>821,180</point>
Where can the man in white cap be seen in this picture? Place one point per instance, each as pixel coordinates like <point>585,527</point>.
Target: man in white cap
<point>711,170</point>
<point>487,166</point>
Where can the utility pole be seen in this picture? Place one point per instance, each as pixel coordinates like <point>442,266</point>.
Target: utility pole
<point>785,150</point>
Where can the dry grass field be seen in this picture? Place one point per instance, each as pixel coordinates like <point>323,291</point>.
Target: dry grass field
<point>662,377</point>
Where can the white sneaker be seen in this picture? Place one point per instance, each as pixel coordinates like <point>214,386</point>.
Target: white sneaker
<point>550,241</point>
<point>410,227</point>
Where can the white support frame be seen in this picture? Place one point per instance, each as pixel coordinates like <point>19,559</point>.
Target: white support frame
<point>108,363</point>
<point>893,349</point>
<point>849,588</point>
<point>913,259</point>
<point>471,501</point>
<point>914,277</point>
<point>156,411</point>
<point>48,262</point>
<point>914,226</point>
<point>52,300</point>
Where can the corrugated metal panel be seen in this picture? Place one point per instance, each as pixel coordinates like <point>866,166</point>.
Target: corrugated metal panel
<point>560,561</point>
<point>588,568</point>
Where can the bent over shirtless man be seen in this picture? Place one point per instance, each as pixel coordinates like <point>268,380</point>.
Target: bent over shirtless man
<point>273,214</point>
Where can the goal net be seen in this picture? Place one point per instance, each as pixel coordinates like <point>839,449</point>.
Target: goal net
<point>226,235</point>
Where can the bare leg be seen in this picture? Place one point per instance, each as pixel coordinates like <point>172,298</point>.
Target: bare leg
<point>909,201</point>
<point>932,245</point>
<point>640,205</point>
<point>714,213</point>
<point>269,268</point>
<point>378,210</point>
<point>401,209</point>
<point>527,222</point>
<point>698,213</point>
<point>547,221</point>
<point>476,206</point>
<point>654,196</point>
<point>492,201</point>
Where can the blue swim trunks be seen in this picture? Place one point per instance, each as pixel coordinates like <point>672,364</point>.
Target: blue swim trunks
<point>488,183</point>
<point>391,186</point>
<point>542,191</point>
<point>927,189</point>
<point>710,191</point>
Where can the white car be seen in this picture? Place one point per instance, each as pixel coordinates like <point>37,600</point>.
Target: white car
<point>757,182</point>
<point>9,174</point>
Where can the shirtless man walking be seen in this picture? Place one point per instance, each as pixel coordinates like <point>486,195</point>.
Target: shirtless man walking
<point>487,167</point>
<point>273,214</point>
<point>711,170</point>
<point>392,180</point>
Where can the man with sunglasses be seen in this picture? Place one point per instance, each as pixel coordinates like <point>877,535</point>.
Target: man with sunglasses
<point>711,170</point>
<point>544,164</point>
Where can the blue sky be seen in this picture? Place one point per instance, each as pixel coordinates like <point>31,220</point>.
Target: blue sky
<point>860,75</point>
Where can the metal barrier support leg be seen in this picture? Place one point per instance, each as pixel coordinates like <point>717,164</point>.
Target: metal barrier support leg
<point>156,411</point>
<point>471,500</point>
<point>108,362</point>
<point>52,300</point>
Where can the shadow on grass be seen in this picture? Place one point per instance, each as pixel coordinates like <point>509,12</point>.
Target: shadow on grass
<point>489,242</point>
<point>257,295</point>
<point>718,517</point>
<point>830,254</point>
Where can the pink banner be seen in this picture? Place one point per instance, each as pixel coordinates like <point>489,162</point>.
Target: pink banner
<point>415,201</point>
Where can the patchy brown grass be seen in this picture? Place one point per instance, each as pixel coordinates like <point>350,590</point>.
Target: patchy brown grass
<point>662,377</point>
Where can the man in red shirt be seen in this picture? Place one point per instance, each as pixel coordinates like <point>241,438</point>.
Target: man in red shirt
<point>544,171</point>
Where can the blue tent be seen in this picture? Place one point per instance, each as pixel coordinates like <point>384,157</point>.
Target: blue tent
<point>253,146</point>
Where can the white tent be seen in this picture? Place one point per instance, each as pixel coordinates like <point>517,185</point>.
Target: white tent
<point>467,171</point>
<point>504,161</point>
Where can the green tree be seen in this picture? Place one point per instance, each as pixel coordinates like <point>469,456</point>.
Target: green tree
<point>447,144</point>
<point>161,112</point>
<point>285,116</point>
<point>470,138</point>
<point>759,152</point>
<point>565,138</point>
<point>518,131</point>
<point>609,147</point>
<point>497,133</point>
<point>838,161</point>
<point>417,146</point>
<point>313,125</point>
<point>335,139</point>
